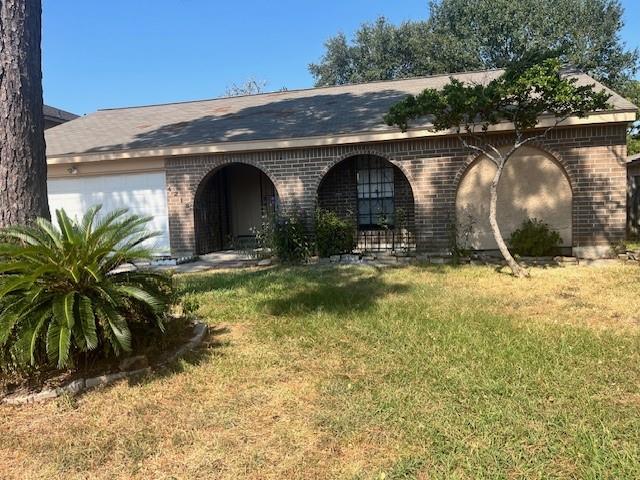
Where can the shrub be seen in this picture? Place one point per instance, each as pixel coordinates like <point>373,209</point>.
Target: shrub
<point>534,238</point>
<point>290,243</point>
<point>265,237</point>
<point>460,234</point>
<point>333,234</point>
<point>64,291</point>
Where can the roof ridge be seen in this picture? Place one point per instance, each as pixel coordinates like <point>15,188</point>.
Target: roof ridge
<point>307,89</point>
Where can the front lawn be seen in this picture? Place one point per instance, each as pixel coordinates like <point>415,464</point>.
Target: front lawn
<point>359,373</point>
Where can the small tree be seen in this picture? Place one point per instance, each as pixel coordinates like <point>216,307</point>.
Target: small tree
<point>249,87</point>
<point>529,89</point>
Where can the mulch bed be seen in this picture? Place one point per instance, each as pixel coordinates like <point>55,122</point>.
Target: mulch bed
<point>154,348</point>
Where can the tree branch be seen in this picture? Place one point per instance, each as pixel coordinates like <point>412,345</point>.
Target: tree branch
<point>480,149</point>
<point>544,134</point>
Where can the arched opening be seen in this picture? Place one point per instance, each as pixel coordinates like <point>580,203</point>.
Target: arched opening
<point>229,206</point>
<point>376,197</point>
<point>533,185</point>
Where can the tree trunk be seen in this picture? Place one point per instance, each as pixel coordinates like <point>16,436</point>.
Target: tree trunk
<point>515,267</point>
<point>23,165</point>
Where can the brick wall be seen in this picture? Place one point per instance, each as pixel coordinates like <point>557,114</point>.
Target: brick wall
<point>633,200</point>
<point>592,156</point>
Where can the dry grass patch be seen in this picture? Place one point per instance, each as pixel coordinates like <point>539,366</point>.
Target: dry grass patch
<point>358,373</point>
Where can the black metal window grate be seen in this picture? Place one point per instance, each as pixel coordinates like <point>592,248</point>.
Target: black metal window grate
<point>376,206</point>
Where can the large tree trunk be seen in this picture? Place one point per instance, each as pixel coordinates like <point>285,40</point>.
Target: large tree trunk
<point>23,165</point>
<point>515,267</point>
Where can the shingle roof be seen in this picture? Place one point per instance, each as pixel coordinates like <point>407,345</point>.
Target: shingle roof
<point>57,114</point>
<point>316,112</point>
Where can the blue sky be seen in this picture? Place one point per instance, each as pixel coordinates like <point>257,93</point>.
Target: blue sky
<point>100,54</point>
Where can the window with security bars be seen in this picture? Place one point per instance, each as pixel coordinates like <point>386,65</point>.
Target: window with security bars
<point>376,206</point>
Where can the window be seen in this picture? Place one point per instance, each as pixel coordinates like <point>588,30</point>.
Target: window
<point>375,193</point>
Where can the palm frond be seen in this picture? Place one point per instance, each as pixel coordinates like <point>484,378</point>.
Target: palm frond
<point>63,309</point>
<point>67,227</point>
<point>117,325</point>
<point>63,291</point>
<point>53,235</point>
<point>153,301</point>
<point>86,323</point>
<point>58,343</point>
<point>27,338</point>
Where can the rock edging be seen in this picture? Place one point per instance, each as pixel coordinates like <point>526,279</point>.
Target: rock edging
<point>83,384</point>
<point>630,256</point>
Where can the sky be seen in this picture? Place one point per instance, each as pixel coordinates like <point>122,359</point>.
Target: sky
<point>115,53</point>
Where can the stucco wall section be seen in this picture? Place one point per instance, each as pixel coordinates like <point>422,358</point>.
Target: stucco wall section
<point>533,185</point>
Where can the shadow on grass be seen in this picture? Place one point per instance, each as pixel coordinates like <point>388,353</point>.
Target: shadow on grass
<point>212,345</point>
<point>287,290</point>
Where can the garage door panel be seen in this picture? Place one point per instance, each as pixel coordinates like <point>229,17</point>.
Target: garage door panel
<point>143,194</point>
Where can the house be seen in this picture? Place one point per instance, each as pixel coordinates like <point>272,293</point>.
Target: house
<point>207,171</point>
<point>54,116</point>
<point>633,200</point>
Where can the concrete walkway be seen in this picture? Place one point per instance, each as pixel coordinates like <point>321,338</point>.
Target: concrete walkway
<point>214,261</point>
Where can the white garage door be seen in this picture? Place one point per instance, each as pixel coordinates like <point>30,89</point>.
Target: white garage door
<point>141,193</point>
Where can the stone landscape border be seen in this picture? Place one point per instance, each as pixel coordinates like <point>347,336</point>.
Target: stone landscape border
<point>383,260</point>
<point>83,384</point>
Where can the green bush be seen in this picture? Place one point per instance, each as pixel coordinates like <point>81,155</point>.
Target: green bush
<point>290,242</point>
<point>534,238</point>
<point>265,237</point>
<point>64,292</point>
<point>334,235</point>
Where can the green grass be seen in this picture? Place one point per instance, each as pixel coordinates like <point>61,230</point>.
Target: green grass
<point>358,373</point>
<point>633,245</point>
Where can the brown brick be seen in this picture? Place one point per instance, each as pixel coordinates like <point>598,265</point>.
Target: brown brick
<point>591,157</point>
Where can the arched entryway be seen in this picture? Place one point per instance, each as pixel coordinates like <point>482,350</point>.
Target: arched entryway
<point>376,197</point>
<point>230,205</point>
<point>533,185</point>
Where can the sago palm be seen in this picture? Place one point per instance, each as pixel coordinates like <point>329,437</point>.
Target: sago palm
<point>63,290</point>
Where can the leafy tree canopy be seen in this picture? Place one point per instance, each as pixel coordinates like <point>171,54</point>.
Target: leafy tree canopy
<point>464,35</point>
<point>631,91</point>
<point>528,89</point>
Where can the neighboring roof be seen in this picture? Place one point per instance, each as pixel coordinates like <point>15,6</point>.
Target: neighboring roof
<point>633,159</point>
<point>55,114</point>
<point>316,112</point>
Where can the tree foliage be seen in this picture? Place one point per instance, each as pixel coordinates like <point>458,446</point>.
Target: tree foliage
<point>379,51</point>
<point>529,89</point>
<point>631,91</point>
<point>63,291</point>
<point>249,87</point>
<point>462,35</point>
